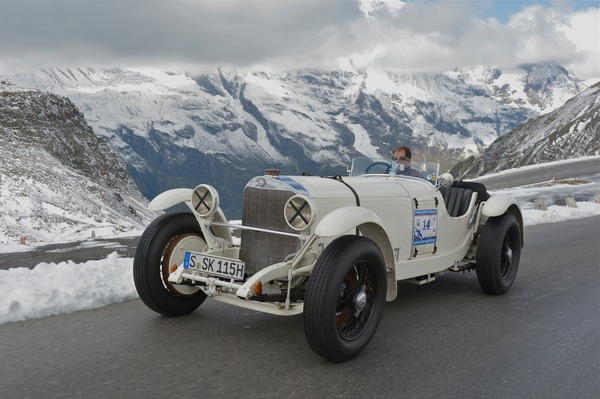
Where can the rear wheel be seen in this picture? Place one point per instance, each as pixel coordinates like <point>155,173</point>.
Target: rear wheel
<point>344,298</point>
<point>498,254</point>
<point>163,244</point>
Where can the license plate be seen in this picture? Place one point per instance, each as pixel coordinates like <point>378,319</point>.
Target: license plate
<point>214,265</point>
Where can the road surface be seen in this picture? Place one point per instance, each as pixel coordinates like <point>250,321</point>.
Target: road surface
<point>446,339</point>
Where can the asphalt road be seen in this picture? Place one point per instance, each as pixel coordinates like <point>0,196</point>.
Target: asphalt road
<point>78,252</point>
<point>446,339</point>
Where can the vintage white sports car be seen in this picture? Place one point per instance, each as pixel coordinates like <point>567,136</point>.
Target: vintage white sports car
<point>329,247</point>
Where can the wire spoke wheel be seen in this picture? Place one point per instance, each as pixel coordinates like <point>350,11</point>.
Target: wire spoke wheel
<point>356,301</point>
<point>345,298</point>
<point>498,254</point>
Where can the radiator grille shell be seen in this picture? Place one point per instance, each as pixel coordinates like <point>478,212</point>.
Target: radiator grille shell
<point>263,208</point>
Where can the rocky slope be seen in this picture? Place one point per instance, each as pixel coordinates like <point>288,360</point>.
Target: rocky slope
<point>571,131</point>
<point>58,181</point>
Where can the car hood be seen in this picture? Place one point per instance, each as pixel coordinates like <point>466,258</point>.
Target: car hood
<point>373,186</point>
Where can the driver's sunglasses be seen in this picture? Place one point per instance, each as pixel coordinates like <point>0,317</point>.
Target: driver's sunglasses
<point>400,159</point>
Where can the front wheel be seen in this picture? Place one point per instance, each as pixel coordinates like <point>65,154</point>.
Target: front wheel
<point>498,254</point>
<point>344,298</point>
<point>164,244</point>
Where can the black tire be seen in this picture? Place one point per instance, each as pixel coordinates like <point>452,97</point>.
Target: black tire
<point>349,274</point>
<point>153,256</point>
<point>498,254</point>
<point>387,165</point>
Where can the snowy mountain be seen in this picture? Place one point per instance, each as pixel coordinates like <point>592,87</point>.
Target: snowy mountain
<point>571,131</point>
<point>58,181</point>
<point>223,127</point>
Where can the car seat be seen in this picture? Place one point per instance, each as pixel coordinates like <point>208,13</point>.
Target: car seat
<point>457,197</point>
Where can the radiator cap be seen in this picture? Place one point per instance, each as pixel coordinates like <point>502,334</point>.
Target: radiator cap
<point>272,172</point>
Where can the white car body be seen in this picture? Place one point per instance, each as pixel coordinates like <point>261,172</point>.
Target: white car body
<point>406,217</point>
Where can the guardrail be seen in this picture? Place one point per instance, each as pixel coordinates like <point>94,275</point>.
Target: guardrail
<point>540,204</point>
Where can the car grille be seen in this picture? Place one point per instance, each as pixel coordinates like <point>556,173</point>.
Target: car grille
<point>263,208</point>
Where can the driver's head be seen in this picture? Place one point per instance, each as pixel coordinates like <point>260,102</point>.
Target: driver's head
<point>402,155</point>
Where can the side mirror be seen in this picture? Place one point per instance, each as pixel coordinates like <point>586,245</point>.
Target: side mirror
<point>445,179</point>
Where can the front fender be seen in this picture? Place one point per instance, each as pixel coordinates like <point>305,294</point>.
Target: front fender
<point>170,198</point>
<point>497,205</point>
<point>176,196</point>
<point>345,219</point>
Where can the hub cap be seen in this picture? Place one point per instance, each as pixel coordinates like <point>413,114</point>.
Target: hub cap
<point>356,301</point>
<point>506,256</point>
<point>360,301</point>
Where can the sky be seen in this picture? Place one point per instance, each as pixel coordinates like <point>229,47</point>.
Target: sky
<point>65,287</point>
<point>193,36</point>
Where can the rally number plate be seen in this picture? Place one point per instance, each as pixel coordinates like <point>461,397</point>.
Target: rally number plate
<point>214,265</point>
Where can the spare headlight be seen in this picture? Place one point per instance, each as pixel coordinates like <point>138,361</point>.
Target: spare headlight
<point>205,200</point>
<point>299,212</point>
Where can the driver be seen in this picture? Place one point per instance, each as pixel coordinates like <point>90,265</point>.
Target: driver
<point>402,156</point>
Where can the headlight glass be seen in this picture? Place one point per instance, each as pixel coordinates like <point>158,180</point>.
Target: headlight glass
<point>299,212</point>
<point>205,200</point>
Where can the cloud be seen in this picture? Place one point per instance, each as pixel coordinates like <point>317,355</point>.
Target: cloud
<point>411,36</point>
<point>583,30</point>
<point>437,36</point>
<point>163,32</point>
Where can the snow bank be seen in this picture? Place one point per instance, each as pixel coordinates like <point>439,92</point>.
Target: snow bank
<point>51,289</point>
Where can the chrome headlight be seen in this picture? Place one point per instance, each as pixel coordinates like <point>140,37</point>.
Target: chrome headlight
<point>205,200</point>
<point>299,212</point>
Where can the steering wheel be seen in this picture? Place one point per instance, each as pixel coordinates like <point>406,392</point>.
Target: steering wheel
<point>386,164</point>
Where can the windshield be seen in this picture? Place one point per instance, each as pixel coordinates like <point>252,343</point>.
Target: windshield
<point>420,169</point>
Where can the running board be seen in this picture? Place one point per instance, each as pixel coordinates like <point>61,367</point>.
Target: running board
<point>420,280</point>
